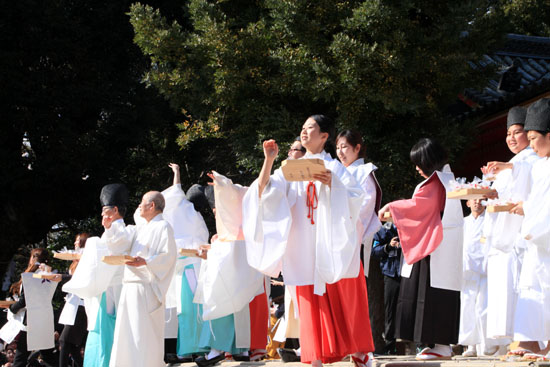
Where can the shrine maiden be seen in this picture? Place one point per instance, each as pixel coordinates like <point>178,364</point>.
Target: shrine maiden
<point>502,233</point>
<point>532,315</point>
<point>430,231</point>
<point>350,150</point>
<point>309,231</point>
<point>190,232</point>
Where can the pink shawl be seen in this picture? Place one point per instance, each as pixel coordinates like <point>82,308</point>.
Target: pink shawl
<point>418,220</point>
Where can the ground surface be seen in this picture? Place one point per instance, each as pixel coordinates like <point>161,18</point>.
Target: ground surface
<point>398,361</point>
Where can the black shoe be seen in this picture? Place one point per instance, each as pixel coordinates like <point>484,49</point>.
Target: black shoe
<point>288,355</point>
<point>203,362</point>
<point>241,358</point>
<point>173,359</point>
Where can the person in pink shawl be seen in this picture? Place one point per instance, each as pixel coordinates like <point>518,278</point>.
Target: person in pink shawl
<point>430,230</point>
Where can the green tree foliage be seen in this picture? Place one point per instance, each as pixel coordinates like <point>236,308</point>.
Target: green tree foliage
<point>529,17</point>
<point>242,71</point>
<point>74,116</point>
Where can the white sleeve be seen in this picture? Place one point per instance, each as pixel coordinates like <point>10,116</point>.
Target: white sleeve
<point>118,237</point>
<point>266,225</point>
<point>521,173</point>
<point>367,213</point>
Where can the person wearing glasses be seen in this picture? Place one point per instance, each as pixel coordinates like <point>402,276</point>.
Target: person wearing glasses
<point>296,150</point>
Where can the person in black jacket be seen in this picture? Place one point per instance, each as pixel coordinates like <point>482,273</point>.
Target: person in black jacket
<point>38,256</point>
<point>387,248</point>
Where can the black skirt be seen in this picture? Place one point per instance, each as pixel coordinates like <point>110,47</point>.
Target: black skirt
<point>76,334</point>
<point>425,314</point>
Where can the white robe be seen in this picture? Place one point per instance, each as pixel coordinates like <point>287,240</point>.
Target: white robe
<point>280,237</point>
<point>227,284</point>
<point>92,276</point>
<point>368,223</point>
<point>532,317</point>
<point>189,233</point>
<point>502,233</point>
<point>38,300</point>
<point>139,328</point>
<point>473,297</point>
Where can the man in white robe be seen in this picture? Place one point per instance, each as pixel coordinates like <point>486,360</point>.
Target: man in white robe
<point>139,329</point>
<point>473,298</point>
<point>98,283</point>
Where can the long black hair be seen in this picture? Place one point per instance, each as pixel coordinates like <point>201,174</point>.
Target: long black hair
<point>429,155</point>
<point>326,125</point>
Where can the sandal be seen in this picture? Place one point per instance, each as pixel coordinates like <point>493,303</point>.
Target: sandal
<point>430,354</point>
<point>533,357</point>
<point>365,362</point>
<point>258,355</point>
<point>520,352</point>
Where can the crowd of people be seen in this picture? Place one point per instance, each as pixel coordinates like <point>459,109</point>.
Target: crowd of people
<point>285,273</point>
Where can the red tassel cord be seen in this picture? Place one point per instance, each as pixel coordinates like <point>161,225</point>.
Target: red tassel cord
<point>311,200</point>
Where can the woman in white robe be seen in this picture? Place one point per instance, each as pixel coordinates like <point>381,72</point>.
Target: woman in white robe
<point>232,293</point>
<point>532,314</point>
<point>502,233</point>
<point>182,315</point>
<point>309,231</point>
<point>350,150</point>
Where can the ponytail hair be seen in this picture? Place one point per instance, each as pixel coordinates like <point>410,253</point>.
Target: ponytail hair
<point>326,125</point>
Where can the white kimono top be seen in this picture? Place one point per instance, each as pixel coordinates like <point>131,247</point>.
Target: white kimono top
<point>536,226</point>
<point>280,236</point>
<point>501,230</point>
<point>153,241</point>
<point>227,284</point>
<point>474,252</point>
<point>368,222</point>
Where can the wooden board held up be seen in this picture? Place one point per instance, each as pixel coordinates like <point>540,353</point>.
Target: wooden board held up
<point>188,252</point>
<point>302,169</point>
<point>467,194</point>
<point>67,256</point>
<point>116,259</point>
<point>6,304</point>
<point>500,208</point>
<point>45,276</point>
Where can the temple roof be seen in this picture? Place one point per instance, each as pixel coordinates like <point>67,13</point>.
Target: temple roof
<point>523,65</point>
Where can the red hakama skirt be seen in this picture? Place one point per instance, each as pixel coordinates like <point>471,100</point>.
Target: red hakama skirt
<point>259,322</point>
<point>335,324</point>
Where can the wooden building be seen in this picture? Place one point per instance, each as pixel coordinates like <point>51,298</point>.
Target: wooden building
<point>524,77</point>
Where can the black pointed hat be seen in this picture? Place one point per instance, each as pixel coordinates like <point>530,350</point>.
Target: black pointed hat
<point>538,116</point>
<point>201,196</point>
<point>114,195</point>
<point>516,116</point>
